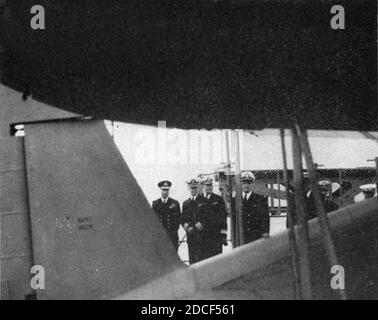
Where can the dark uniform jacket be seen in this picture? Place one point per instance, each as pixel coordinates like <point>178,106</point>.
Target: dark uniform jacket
<point>169,215</point>
<point>328,205</point>
<point>192,213</point>
<point>311,213</point>
<point>256,219</point>
<point>215,222</point>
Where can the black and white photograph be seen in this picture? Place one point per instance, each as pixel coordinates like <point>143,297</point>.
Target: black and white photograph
<point>209,151</point>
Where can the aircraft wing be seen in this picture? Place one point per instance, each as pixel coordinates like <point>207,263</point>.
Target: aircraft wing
<point>262,269</point>
<point>197,64</point>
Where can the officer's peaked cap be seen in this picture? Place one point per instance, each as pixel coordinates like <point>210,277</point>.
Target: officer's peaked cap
<point>324,184</point>
<point>165,184</point>
<point>247,176</point>
<point>192,182</point>
<point>368,187</point>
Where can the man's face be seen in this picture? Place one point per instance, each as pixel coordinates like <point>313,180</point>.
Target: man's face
<point>323,192</point>
<point>164,193</point>
<point>193,191</point>
<point>208,188</point>
<point>247,186</point>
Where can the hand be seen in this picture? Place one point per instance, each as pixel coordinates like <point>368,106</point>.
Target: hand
<point>190,230</point>
<point>199,226</point>
<point>266,235</point>
<point>186,225</point>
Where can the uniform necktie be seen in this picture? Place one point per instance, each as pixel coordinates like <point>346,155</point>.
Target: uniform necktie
<point>245,196</point>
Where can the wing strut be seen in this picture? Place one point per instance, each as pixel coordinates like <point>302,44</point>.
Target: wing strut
<point>323,219</point>
<point>289,212</point>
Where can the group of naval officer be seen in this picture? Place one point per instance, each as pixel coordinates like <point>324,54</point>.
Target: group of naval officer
<point>325,188</point>
<point>204,216</point>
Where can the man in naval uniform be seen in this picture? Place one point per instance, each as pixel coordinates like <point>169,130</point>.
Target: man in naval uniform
<point>325,189</point>
<point>193,221</point>
<point>256,221</point>
<point>168,211</point>
<point>328,205</point>
<point>215,229</point>
<point>368,190</point>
